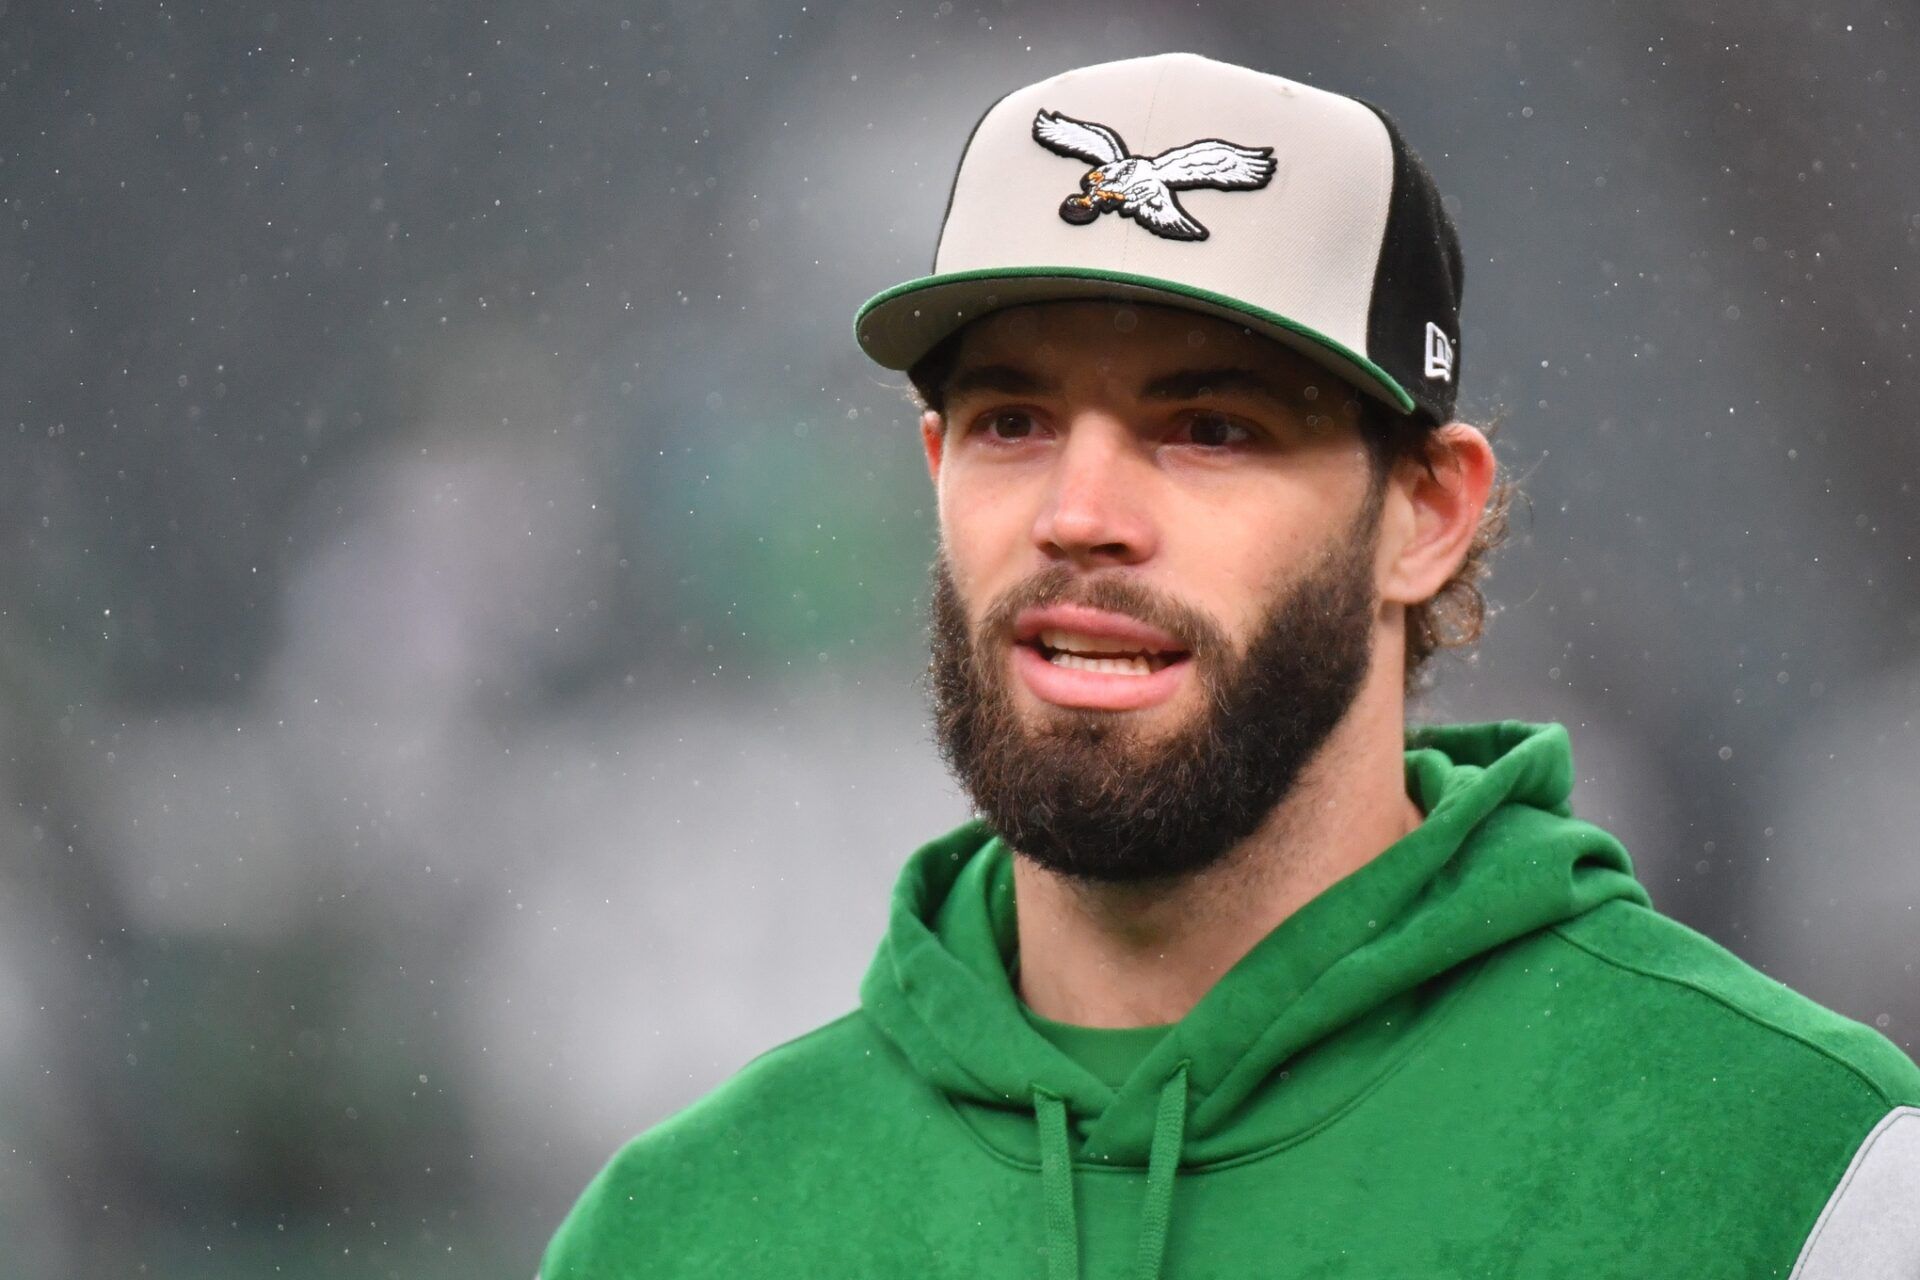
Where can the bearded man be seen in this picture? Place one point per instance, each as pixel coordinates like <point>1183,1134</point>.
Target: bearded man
<point>1234,974</point>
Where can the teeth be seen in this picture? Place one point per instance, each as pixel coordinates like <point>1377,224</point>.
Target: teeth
<point>1079,643</point>
<point>1107,666</point>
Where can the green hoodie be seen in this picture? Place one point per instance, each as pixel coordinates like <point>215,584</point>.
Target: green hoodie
<point>1481,1054</point>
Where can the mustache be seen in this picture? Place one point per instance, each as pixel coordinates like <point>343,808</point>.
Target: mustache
<point>1112,593</point>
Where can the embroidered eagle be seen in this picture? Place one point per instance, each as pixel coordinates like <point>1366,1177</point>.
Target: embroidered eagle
<point>1142,187</point>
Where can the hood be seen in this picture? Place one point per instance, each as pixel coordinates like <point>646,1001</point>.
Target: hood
<point>1316,1013</point>
<point>1498,856</point>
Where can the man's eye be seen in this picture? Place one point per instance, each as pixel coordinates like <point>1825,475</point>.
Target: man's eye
<point>1004,424</point>
<point>1215,430</point>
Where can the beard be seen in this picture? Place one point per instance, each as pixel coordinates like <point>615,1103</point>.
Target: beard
<point>1084,792</point>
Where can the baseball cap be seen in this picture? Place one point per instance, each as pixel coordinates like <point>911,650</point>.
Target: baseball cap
<point>1299,213</point>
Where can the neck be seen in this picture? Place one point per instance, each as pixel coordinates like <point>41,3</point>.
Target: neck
<point>1128,955</point>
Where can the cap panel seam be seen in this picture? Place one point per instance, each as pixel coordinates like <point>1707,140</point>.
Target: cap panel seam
<point>1146,131</point>
<point>1386,224</point>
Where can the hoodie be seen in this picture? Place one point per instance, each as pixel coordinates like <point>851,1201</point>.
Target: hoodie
<point>1482,1053</point>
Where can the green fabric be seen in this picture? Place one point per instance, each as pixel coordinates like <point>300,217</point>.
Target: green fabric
<point>1482,1053</point>
<point>1056,1182</point>
<point>902,302</point>
<point>1163,1164</point>
<point>1110,1053</point>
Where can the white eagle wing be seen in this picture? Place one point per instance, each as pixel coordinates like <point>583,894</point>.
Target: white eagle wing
<point>1154,205</point>
<point>1072,137</point>
<point>1212,163</point>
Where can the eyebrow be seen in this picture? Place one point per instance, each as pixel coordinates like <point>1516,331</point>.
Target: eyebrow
<point>1184,384</point>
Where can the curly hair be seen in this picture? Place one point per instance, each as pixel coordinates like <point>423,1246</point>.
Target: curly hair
<point>1455,616</point>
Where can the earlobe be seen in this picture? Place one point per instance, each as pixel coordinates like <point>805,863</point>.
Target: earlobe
<point>933,436</point>
<point>1445,508</point>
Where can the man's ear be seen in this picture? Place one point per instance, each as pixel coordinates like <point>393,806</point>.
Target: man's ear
<point>933,434</point>
<point>1439,512</point>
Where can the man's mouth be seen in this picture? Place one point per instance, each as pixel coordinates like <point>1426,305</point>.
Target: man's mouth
<point>1102,654</point>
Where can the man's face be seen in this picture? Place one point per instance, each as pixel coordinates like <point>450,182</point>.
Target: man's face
<point>1142,478</point>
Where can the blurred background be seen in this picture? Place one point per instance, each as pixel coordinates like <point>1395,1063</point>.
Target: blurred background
<point>463,591</point>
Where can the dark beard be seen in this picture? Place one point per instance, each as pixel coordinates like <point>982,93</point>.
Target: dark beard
<point>1087,796</point>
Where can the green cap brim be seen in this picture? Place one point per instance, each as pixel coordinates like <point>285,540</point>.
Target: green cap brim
<point>902,324</point>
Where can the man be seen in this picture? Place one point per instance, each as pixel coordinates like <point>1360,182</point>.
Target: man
<point>1233,975</point>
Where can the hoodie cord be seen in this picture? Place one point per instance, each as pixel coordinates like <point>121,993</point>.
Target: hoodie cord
<point>1163,1161</point>
<point>1056,1187</point>
<point>1056,1181</point>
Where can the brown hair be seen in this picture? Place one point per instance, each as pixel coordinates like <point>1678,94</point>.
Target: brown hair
<point>1455,616</point>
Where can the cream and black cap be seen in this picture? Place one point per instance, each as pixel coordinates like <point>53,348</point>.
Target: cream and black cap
<point>1175,179</point>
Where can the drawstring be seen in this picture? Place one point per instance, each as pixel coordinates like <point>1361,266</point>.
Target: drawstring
<point>1163,1161</point>
<point>1056,1187</point>
<point>1056,1181</point>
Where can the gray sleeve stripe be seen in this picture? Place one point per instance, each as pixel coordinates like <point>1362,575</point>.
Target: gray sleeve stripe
<point>1870,1229</point>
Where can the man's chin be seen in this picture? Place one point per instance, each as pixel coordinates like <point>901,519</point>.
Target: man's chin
<point>1049,724</point>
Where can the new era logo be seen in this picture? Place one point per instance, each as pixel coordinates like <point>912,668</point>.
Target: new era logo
<point>1439,353</point>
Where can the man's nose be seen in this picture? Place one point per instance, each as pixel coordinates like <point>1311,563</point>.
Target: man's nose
<point>1097,505</point>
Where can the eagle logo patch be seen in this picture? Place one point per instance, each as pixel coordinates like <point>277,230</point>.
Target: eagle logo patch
<point>1142,187</point>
